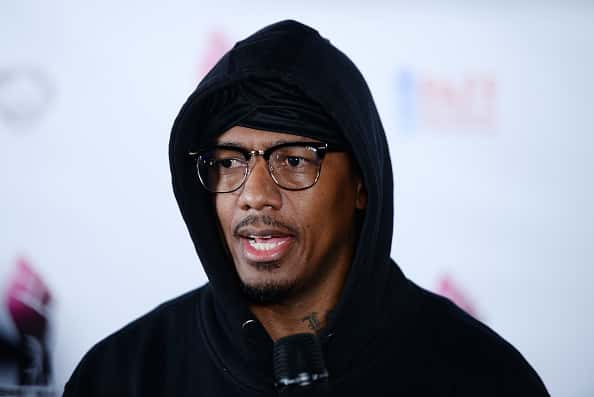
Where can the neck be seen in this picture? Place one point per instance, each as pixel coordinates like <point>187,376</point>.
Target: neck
<point>291,318</point>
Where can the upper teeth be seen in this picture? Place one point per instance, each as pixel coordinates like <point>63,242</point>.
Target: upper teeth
<point>263,246</point>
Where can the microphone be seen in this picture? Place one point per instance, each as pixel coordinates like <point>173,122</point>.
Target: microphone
<point>299,368</point>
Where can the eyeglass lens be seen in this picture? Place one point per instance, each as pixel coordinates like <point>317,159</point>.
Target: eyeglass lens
<point>291,167</point>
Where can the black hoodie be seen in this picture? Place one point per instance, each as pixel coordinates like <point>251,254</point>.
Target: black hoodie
<point>386,336</point>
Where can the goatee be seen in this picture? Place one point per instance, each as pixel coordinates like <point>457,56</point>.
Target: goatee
<point>268,292</point>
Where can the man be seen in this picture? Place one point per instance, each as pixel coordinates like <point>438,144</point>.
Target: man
<point>281,170</point>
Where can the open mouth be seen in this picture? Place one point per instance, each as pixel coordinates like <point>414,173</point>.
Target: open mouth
<point>265,243</point>
<point>265,248</point>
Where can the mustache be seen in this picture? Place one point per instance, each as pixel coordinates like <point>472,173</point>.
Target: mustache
<point>252,220</point>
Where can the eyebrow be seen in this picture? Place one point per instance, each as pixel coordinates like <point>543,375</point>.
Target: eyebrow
<point>228,143</point>
<point>238,145</point>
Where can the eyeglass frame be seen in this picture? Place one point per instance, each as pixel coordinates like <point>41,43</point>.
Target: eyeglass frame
<point>321,149</point>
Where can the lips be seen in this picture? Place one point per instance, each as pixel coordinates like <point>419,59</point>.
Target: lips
<point>265,247</point>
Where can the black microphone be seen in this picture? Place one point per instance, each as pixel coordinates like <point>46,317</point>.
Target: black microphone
<point>299,368</point>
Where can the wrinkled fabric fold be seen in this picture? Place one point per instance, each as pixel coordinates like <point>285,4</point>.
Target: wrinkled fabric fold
<point>269,105</point>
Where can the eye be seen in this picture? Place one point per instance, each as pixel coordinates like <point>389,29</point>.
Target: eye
<point>293,158</point>
<point>294,161</point>
<point>227,163</point>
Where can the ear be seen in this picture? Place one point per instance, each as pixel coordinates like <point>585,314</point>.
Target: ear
<point>360,195</point>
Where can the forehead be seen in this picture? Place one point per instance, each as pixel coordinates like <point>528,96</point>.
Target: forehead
<point>258,139</point>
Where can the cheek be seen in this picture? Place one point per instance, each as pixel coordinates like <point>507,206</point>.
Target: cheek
<point>325,214</point>
<point>224,206</point>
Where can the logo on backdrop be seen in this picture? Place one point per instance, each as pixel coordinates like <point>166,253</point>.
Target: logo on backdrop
<point>24,319</point>
<point>27,300</point>
<point>25,96</point>
<point>450,289</point>
<point>217,45</point>
<point>463,104</point>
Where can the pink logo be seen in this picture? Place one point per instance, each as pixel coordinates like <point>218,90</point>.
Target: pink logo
<point>462,103</point>
<point>469,102</point>
<point>28,301</point>
<point>451,290</point>
<point>216,47</point>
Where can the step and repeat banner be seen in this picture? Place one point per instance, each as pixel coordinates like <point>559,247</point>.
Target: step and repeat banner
<point>488,111</point>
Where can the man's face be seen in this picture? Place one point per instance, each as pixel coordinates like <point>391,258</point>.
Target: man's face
<point>285,243</point>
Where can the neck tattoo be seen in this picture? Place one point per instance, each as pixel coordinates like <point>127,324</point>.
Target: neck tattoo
<point>313,322</point>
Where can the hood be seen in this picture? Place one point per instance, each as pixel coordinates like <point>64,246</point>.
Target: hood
<point>296,55</point>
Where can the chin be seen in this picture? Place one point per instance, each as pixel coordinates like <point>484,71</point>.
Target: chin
<point>267,292</point>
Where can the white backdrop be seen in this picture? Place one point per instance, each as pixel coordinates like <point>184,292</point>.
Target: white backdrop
<point>488,110</point>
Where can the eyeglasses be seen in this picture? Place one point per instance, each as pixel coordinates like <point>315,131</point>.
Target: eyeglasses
<point>292,165</point>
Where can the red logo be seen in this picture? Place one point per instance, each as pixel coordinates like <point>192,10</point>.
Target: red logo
<point>27,299</point>
<point>451,290</point>
<point>217,46</point>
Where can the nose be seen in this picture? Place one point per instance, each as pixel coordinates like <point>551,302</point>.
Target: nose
<point>259,190</point>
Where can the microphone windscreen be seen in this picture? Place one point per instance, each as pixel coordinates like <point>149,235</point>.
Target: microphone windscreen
<point>299,365</point>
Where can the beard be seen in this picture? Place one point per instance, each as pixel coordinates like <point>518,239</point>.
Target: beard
<point>268,292</point>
